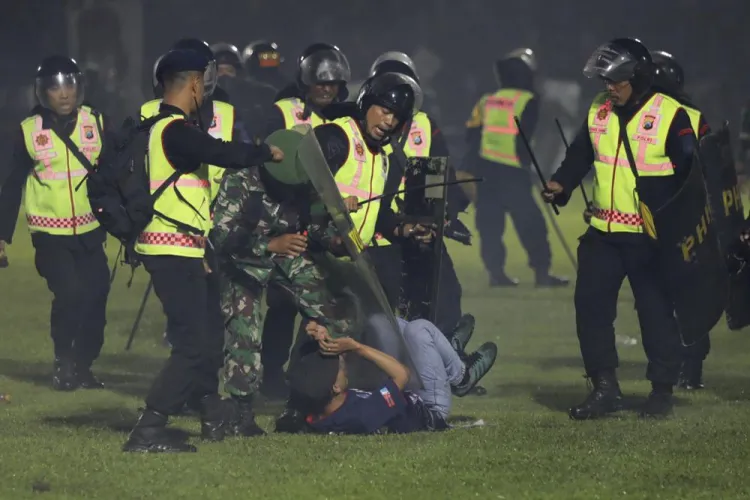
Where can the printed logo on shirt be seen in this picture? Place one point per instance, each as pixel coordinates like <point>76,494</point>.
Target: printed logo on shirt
<point>361,394</point>
<point>387,396</point>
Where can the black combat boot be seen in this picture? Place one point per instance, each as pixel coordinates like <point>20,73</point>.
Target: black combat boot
<point>243,423</point>
<point>86,379</point>
<point>547,280</point>
<point>64,375</point>
<point>502,280</point>
<point>150,436</point>
<point>659,403</point>
<point>292,420</point>
<point>217,417</point>
<point>691,375</point>
<point>605,398</point>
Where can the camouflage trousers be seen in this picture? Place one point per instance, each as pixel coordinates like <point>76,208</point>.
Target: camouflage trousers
<point>241,294</point>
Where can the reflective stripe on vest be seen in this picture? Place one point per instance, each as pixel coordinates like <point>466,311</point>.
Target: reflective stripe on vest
<point>363,175</point>
<point>161,237</point>
<point>52,203</point>
<point>293,109</point>
<point>615,200</point>
<point>221,127</point>
<point>499,131</point>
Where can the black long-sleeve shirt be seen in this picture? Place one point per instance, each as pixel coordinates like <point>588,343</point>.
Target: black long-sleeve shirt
<point>187,147</point>
<point>654,191</point>
<point>23,164</point>
<point>335,146</point>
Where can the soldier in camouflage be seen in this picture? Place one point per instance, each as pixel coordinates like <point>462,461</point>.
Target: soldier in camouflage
<point>260,234</point>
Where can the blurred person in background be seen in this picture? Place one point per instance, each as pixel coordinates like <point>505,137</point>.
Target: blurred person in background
<point>54,148</point>
<point>496,152</point>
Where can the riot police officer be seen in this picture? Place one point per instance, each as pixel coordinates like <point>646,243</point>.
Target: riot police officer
<point>421,136</point>
<point>172,248</point>
<point>669,77</point>
<point>228,59</point>
<point>322,73</point>
<point>55,147</point>
<point>496,153</point>
<point>658,130</point>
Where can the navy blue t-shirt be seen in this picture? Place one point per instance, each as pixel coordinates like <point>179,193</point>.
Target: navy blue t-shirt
<point>366,412</point>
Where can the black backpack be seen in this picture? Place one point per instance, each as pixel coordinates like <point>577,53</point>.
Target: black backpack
<point>119,187</point>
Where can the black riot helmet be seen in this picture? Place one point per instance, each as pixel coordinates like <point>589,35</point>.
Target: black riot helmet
<point>398,62</point>
<point>226,53</point>
<point>393,91</point>
<point>261,55</point>
<point>59,73</point>
<point>210,77</point>
<point>620,60</point>
<point>516,69</point>
<point>155,84</point>
<point>668,74</point>
<point>324,63</point>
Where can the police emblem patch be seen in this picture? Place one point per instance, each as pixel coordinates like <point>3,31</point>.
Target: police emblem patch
<point>648,122</point>
<point>42,140</point>
<point>359,149</point>
<point>88,131</point>
<point>300,115</point>
<point>416,137</point>
<point>213,122</point>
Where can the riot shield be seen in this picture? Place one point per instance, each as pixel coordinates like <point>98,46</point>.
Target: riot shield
<point>726,207</point>
<point>352,279</point>
<point>691,261</point>
<point>421,263</point>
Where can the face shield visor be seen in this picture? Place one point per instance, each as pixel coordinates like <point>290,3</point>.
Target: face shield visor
<point>210,78</point>
<point>610,63</point>
<point>325,66</point>
<point>393,56</point>
<point>62,93</point>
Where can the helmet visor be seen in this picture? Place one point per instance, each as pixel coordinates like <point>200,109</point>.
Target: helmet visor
<point>610,63</point>
<point>325,66</point>
<point>61,93</point>
<point>382,84</point>
<point>393,56</point>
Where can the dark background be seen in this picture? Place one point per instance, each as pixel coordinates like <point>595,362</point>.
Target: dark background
<point>453,43</point>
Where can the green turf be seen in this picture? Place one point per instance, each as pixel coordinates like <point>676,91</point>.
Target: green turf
<point>69,444</point>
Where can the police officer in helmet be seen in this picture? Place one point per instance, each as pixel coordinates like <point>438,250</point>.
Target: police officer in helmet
<point>421,136</point>
<point>322,73</point>
<point>228,59</point>
<point>384,103</point>
<point>616,244</point>
<point>262,63</point>
<point>497,153</point>
<point>54,149</point>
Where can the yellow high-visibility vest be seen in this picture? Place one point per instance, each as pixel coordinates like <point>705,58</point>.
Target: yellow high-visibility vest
<point>221,127</point>
<point>52,203</point>
<point>499,130</point>
<point>417,144</point>
<point>161,237</point>
<point>616,205</point>
<point>363,175</point>
<point>293,108</point>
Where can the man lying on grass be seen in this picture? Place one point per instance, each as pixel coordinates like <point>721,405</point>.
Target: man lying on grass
<point>320,379</point>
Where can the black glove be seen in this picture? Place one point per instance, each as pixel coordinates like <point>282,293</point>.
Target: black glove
<point>456,230</point>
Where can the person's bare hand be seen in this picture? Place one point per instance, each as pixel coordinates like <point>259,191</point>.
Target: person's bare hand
<point>316,330</point>
<point>277,153</point>
<point>351,203</point>
<point>553,189</point>
<point>288,244</point>
<point>419,232</point>
<point>338,346</point>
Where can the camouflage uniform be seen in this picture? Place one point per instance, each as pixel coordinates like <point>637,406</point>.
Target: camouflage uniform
<point>245,219</point>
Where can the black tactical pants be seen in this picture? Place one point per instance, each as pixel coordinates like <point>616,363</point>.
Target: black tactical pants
<point>509,191</point>
<point>77,274</point>
<point>190,299</point>
<point>449,296</point>
<point>604,261</point>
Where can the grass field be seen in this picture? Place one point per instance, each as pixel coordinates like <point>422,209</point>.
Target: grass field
<point>55,445</point>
